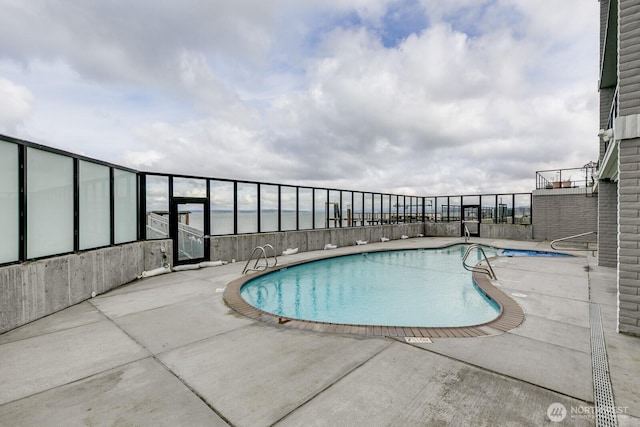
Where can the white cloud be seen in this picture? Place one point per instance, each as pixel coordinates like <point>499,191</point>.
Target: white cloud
<point>310,93</point>
<point>16,106</point>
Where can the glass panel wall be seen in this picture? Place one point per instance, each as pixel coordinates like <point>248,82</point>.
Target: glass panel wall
<point>305,207</point>
<point>289,203</point>
<point>442,208</point>
<point>268,207</point>
<point>377,208</point>
<point>505,208</point>
<point>405,208</point>
<point>189,187</point>
<point>9,203</point>
<point>221,207</point>
<point>415,212</point>
<point>247,207</point>
<point>454,208</point>
<point>125,206</point>
<point>430,208</point>
<point>157,203</point>
<point>333,209</point>
<point>523,208</point>
<point>393,209</point>
<point>488,209</point>
<point>320,197</point>
<point>95,205</point>
<point>347,208</point>
<point>470,200</point>
<point>368,209</point>
<point>386,209</point>
<point>49,203</point>
<point>356,216</point>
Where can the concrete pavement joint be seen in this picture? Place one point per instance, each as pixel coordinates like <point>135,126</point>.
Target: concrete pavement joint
<point>195,392</point>
<point>165,367</point>
<point>78,380</point>
<point>346,374</point>
<point>482,368</point>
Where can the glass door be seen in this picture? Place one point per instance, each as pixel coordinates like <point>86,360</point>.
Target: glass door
<point>471,219</point>
<point>189,230</point>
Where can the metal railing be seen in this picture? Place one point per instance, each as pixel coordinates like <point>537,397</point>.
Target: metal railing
<point>488,270</point>
<point>259,253</point>
<point>234,207</point>
<point>586,246</point>
<point>566,178</point>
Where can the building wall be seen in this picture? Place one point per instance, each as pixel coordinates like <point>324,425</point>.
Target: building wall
<point>36,289</point>
<point>629,57</point>
<point>607,224</point>
<point>629,237</point>
<point>627,130</point>
<point>558,214</point>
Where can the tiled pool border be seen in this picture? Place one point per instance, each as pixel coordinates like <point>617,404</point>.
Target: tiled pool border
<point>511,314</point>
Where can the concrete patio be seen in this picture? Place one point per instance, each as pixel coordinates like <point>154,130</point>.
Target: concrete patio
<point>166,350</point>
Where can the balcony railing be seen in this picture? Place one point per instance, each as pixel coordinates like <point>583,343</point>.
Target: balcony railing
<point>566,178</point>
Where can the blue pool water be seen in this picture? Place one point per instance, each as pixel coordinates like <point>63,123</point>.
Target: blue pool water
<point>522,252</point>
<point>426,288</point>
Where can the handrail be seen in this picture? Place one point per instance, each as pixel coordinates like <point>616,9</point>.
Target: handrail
<point>262,254</point>
<point>467,233</point>
<point>488,270</point>
<point>553,242</point>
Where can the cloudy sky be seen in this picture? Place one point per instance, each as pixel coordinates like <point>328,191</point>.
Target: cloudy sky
<point>424,97</point>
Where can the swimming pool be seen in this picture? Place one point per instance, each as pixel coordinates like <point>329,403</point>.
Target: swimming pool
<point>416,287</point>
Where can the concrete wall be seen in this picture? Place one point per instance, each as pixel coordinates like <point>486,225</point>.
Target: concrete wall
<point>607,224</point>
<point>443,229</point>
<point>507,231</point>
<point>239,247</point>
<point>563,213</point>
<point>490,231</point>
<point>36,289</point>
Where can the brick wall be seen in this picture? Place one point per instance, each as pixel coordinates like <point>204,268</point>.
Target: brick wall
<point>628,54</point>
<point>562,215</point>
<point>629,237</point>
<point>608,224</point>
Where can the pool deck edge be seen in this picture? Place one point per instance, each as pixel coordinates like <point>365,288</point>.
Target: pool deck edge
<point>511,314</point>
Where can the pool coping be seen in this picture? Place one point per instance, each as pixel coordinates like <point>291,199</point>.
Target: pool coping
<point>511,314</point>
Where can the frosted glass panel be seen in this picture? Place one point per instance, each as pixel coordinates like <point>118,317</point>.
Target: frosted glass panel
<point>49,203</point>
<point>9,213</point>
<point>95,224</point>
<point>125,201</point>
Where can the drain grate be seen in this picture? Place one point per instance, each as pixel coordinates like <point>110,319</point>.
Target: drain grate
<point>605,411</point>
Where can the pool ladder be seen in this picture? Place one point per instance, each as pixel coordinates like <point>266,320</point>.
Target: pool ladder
<point>488,270</point>
<point>259,253</point>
